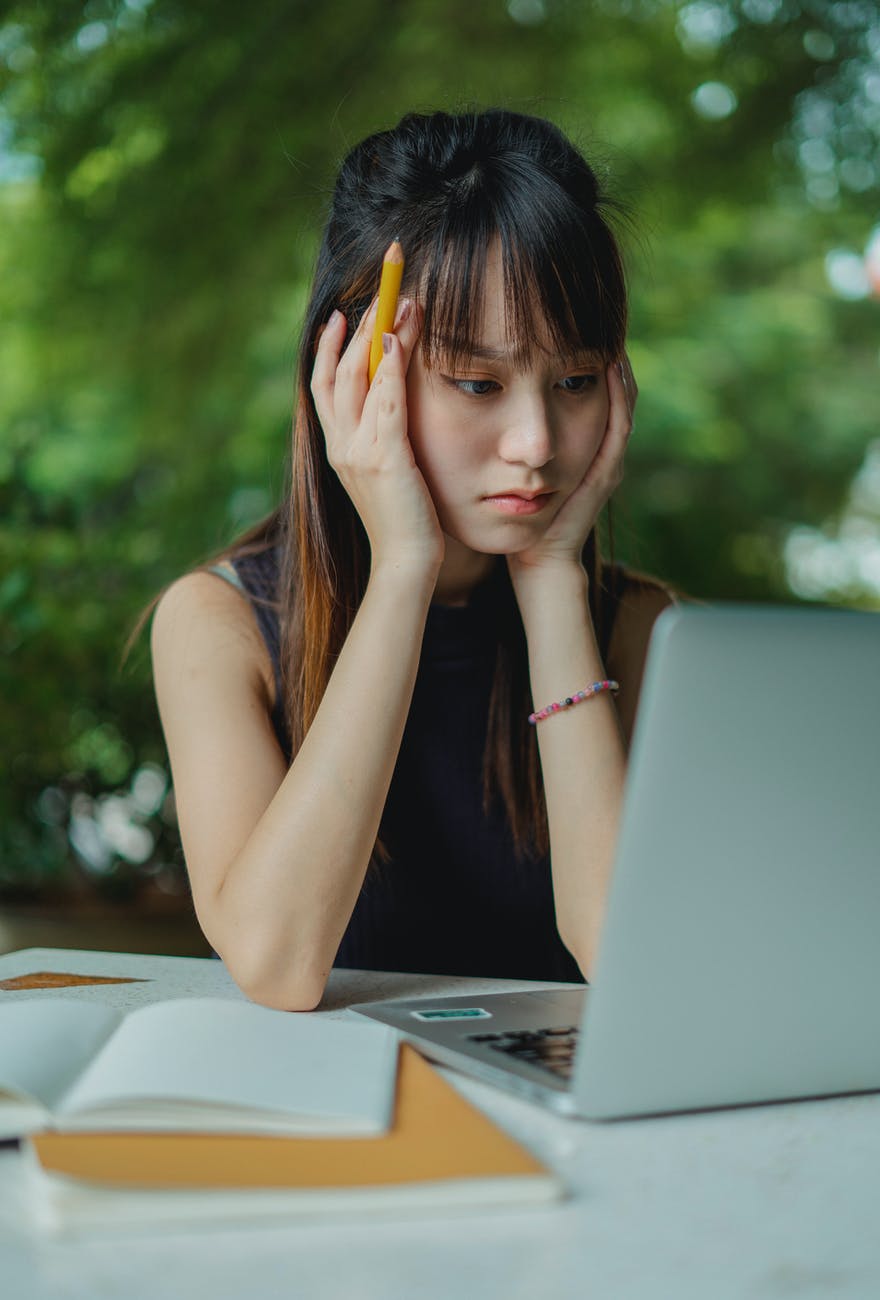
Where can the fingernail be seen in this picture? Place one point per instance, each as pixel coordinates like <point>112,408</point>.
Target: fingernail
<point>335,317</point>
<point>406,309</point>
<point>386,343</point>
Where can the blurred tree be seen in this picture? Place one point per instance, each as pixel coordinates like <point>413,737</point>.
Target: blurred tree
<point>163,168</point>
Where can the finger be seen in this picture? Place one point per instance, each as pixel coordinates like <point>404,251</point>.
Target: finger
<point>629,381</point>
<point>324,369</point>
<point>363,335</point>
<point>608,463</point>
<point>620,404</point>
<point>352,373</point>
<point>408,327</point>
<point>388,393</point>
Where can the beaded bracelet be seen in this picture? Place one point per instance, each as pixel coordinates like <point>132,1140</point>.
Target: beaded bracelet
<point>596,689</point>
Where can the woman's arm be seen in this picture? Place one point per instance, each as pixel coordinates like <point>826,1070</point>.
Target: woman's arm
<point>582,749</point>
<point>277,858</point>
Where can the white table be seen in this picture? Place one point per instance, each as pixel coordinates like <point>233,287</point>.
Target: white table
<point>770,1201</point>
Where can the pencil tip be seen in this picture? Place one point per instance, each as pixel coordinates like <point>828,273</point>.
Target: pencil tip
<point>394,252</point>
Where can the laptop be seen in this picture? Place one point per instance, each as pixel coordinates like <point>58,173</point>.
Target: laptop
<point>740,954</point>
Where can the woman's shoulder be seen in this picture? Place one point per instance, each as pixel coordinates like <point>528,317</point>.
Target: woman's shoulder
<point>212,590</point>
<point>203,621</point>
<point>224,589</point>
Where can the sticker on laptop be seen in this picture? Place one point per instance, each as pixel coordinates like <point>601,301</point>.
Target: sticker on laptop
<point>453,1013</point>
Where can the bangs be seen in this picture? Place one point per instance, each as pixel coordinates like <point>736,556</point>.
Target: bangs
<point>563,280</point>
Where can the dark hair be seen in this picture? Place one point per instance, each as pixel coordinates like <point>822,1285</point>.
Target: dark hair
<point>448,187</point>
<point>452,186</point>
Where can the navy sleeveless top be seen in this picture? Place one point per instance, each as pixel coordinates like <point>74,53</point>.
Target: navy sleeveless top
<point>454,898</point>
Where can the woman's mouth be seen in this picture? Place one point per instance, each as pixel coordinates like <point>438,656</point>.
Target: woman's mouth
<point>511,503</point>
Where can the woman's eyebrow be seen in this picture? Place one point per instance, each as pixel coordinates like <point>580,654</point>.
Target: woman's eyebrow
<point>512,354</point>
<point>481,352</point>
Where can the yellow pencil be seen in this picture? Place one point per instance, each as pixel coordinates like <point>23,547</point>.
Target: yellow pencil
<point>389,291</point>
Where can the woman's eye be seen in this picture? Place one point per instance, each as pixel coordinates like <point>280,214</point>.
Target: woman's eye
<point>475,387</point>
<point>578,383</point>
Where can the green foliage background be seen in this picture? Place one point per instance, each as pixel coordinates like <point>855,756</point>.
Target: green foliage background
<point>163,170</point>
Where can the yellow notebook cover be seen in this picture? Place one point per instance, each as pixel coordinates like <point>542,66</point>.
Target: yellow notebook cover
<point>437,1135</point>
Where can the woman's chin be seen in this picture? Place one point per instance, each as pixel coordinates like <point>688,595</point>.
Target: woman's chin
<point>504,540</point>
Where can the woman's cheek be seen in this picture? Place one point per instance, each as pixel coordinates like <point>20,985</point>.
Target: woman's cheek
<point>593,444</point>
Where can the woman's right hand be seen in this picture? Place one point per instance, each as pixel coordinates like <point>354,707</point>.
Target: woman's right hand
<point>365,428</point>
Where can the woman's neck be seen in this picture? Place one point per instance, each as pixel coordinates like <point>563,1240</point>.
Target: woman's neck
<point>461,571</point>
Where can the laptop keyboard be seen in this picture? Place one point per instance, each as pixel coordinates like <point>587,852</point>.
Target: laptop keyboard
<point>549,1049</point>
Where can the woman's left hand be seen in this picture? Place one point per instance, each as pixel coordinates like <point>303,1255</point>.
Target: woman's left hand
<point>564,539</point>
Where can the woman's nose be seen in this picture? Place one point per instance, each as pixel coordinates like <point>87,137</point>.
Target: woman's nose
<point>528,438</point>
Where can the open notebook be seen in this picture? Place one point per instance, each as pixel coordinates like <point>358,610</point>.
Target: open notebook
<point>441,1152</point>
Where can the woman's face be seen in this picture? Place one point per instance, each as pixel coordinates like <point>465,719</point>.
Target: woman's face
<point>502,448</point>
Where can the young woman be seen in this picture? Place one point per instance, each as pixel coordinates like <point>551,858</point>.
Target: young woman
<point>346,694</point>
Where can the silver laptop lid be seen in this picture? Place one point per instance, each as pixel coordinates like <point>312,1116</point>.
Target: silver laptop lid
<point>740,958</point>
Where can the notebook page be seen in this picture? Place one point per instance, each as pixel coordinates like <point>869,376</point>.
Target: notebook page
<point>229,1054</point>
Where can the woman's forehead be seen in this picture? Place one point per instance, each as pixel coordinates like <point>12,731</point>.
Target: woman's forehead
<point>495,335</point>
<point>505,351</point>
<point>494,304</point>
